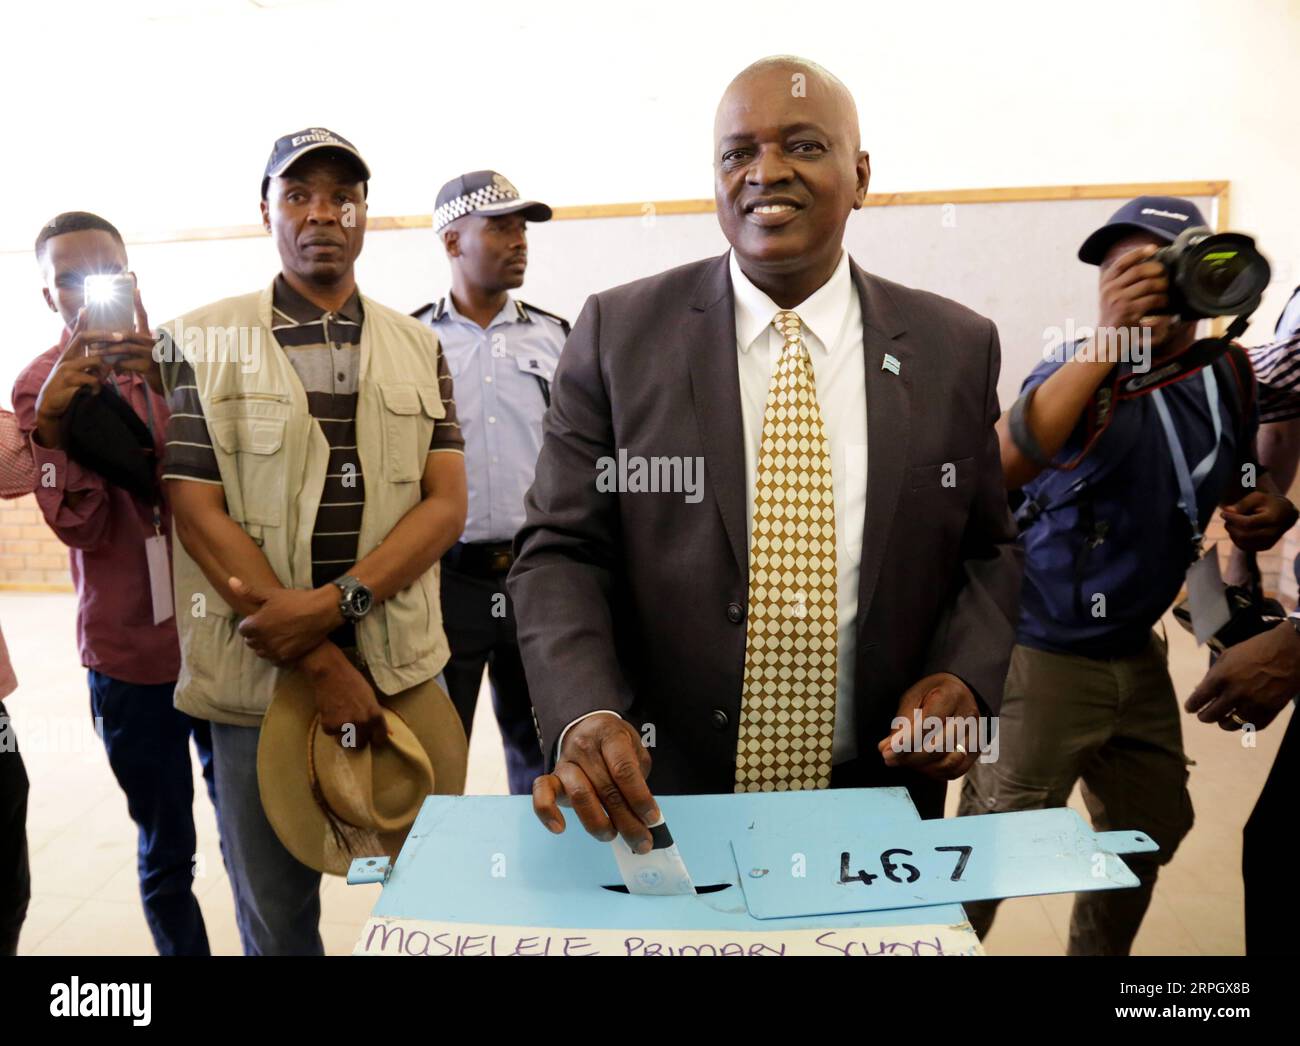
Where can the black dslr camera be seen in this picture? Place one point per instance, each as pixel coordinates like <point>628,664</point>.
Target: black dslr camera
<point>1213,274</point>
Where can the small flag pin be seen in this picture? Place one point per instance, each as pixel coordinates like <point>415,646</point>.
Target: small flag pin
<point>890,364</point>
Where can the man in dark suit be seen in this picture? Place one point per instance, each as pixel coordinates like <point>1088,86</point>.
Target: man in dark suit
<point>848,557</point>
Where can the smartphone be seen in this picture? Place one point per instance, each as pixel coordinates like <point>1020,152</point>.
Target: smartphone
<point>110,302</point>
<point>110,305</point>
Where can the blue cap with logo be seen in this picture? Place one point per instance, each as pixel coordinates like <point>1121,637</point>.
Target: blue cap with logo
<point>293,147</point>
<point>1162,216</point>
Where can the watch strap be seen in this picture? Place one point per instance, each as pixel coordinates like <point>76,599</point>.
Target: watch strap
<point>347,586</point>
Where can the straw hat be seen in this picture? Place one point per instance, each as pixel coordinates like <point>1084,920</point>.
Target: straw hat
<point>329,804</point>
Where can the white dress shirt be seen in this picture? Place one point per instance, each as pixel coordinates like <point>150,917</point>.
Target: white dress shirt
<point>832,330</point>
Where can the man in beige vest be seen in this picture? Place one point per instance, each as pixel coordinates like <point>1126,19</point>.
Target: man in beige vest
<point>317,475</point>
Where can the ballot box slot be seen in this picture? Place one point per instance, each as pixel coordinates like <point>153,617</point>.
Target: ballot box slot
<point>710,888</point>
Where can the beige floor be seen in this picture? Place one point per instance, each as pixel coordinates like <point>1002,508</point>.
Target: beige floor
<point>85,898</point>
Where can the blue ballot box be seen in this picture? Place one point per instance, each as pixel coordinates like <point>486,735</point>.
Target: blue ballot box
<point>840,872</point>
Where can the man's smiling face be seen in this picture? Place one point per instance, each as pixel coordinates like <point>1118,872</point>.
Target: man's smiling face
<point>788,169</point>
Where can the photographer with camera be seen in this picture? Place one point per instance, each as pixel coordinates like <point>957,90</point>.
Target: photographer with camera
<point>92,408</point>
<point>1122,466</point>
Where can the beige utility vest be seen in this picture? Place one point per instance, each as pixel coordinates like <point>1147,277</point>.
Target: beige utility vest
<point>273,458</point>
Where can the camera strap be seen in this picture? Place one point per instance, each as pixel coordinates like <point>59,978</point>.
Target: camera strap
<point>1207,600</point>
<point>1125,385</point>
<point>1190,479</point>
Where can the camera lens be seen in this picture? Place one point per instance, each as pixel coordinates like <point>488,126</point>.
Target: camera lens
<point>1222,274</point>
<point>1218,271</point>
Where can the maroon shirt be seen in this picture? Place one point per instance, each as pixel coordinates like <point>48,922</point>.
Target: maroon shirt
<point>105,533</point>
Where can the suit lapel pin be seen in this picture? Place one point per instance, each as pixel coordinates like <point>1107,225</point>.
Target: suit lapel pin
<point>890,364</point>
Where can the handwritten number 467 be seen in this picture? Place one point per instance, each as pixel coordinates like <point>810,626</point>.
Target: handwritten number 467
<point>891,867</point>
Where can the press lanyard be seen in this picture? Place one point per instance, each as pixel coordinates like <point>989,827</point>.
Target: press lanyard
<point>148,409</point>
<point>1189,481</point>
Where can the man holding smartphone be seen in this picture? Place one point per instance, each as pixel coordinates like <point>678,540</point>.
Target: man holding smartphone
<point>118,550</point>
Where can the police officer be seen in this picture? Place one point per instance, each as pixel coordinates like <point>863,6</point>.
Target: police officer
<point>502,354</point>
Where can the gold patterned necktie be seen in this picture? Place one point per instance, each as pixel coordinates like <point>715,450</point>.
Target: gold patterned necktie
<point>787,715</point>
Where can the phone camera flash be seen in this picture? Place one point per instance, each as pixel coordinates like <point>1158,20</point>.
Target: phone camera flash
<point>101,290</point>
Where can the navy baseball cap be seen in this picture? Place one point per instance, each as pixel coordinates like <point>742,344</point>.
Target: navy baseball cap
<point>1162,216</point>
<point>293,147</point>
<point>483,192</point>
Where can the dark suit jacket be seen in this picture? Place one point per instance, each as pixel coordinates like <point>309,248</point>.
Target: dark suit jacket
<point>635,601</point>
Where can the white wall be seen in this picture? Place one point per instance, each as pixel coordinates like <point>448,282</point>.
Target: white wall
<point>159,113</point>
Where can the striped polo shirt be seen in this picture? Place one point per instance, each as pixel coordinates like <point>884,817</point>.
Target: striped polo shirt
<point>325,350</point>
<point>1277,367</point>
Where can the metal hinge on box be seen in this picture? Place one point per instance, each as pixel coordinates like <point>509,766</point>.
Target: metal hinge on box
<point>369,870</point>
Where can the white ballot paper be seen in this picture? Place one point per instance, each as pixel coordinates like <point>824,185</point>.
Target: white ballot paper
<point>661,871</point>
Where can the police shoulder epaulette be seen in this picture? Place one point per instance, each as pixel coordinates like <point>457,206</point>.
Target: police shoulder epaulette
<point>431,312</point>
<point>564,324</point>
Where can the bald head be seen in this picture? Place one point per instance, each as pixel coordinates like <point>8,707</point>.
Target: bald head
<point>788,171</point>
<point>802,78</point>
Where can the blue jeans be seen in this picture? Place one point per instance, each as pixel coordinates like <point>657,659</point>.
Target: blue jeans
<point>148,745</point>
<point>277,897</point>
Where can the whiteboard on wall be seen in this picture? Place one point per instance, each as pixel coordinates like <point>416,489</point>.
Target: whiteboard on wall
<point>1009,254</point>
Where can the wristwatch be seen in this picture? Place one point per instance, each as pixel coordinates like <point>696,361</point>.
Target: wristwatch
<point>356,600</point>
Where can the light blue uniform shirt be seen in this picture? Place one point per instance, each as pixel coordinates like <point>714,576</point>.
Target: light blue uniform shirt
<point>499,403</point>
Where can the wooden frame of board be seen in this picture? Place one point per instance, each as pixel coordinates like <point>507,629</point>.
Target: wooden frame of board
<point>1218,190</point>
<point>935,197</point>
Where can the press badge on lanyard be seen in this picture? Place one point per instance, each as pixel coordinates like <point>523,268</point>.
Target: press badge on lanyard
<point>155,546</point>
<point>1205,595</point>
<point>160,574</point>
